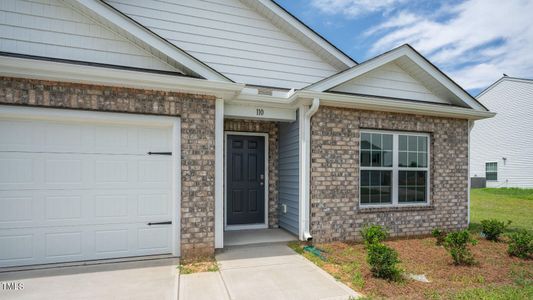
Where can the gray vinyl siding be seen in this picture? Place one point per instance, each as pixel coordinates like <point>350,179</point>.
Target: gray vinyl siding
<point>507,135</point>
<point>289,176</point>
<point>52,29</point>
<point>232,38</point>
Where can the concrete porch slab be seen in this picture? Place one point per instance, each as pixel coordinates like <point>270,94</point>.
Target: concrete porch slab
<point>257,236</point>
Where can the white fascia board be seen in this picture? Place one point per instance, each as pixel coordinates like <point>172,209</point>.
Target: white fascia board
<point>393,105</point>
<point>306,32</point>
<point>395,54</point>
<point>304,97</point>
<point>96,7</point>
<point>58,71</point>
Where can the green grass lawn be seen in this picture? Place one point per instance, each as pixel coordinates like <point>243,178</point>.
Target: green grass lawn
<point>502,204</point>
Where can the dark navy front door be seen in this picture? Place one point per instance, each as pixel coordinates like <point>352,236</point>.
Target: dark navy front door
<point>245,180</point>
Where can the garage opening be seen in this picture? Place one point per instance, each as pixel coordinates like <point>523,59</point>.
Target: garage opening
<point>78,186</point>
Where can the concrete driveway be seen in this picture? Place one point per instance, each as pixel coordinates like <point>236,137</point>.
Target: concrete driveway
<point>270,271</point>
<point>153,279</point>
<point>263,272</point>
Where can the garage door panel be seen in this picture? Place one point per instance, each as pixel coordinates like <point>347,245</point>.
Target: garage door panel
<point>15,135</point>
<point>63,244</point>
<point>58,244</point>
<point>111,206</point>
<point>110,242</point>
<point>45,171</point>
<point>154,139</point>
<point>24,209</point>
<point>73,191</point>
<point>151,205</point>
<point>154,238</point>
<point>71,137</point>
<point>16,170</point>
<point>16,248</point>
<point>16,208</point>
<point>61,137</point>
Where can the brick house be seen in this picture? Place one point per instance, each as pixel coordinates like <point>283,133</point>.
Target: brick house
<point>152,129</point>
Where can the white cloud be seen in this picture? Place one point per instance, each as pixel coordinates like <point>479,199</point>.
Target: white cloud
<point>475,42</point>
<point>352,8</point>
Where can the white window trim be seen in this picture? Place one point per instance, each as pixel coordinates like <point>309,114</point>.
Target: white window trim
<point>497,171</point>
<point>396,169</point>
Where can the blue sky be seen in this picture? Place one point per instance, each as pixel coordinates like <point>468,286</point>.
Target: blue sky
<point>473,41</point>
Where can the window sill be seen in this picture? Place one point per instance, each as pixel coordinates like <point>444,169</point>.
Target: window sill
<point>369,209</point>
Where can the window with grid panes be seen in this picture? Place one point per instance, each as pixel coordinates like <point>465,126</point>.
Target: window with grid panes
<point>394,168</point>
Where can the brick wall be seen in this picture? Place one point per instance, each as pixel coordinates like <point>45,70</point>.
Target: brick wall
<point>197,114</point>
<point>335,213</point>
<point>272,129</point>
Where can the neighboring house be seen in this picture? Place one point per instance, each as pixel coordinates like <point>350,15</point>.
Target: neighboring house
<point>151,127</point>
<point>502,147</point>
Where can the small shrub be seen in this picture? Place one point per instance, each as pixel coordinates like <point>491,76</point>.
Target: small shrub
<point>457,245</point>
<point>492,229</point>
<point>383,262</point>
<point>439,234</point>
<point>520,244</point>
<point>373,234</point>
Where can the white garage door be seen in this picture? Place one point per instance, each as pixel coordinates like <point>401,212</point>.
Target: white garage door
<point>72,191</point>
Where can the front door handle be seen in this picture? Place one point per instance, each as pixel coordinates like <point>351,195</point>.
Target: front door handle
<point>159,223</point>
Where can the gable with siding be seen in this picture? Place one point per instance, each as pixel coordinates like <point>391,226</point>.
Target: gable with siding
<point>233,39</point>
<point>389,80</point>
<point>50,28</point>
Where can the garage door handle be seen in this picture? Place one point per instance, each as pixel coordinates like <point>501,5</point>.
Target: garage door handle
<point>160,223</point>
<point>159,153</point>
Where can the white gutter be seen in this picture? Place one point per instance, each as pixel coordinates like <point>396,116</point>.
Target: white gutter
<point>364,102</point>
<point>306,172</point>
<point>395,105</point>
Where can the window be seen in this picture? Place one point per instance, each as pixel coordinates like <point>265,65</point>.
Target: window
<point>394,168</point>
<point>491,171</point>
<point>376,157</point>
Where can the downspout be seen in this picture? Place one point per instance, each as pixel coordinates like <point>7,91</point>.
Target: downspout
<point>307,169</point>
<point>470,127</point>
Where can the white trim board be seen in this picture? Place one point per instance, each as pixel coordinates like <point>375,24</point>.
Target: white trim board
<point>259,112</point>
<point>219,173</point>
<point>246,226</point>
<point>66,72</point>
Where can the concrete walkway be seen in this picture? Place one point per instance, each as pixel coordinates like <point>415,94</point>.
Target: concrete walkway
<point>263,272</point>
<point>143,280</point>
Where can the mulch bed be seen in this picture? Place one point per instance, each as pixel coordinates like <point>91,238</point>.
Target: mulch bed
<point>421,256</point>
